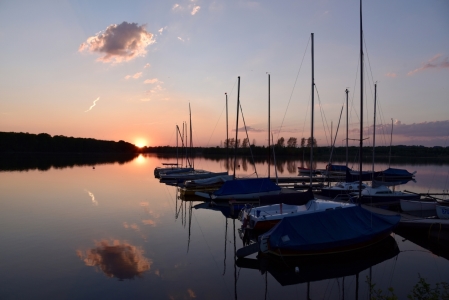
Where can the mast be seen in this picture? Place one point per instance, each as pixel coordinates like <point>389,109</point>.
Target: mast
<point>191,144</point>
<point>347,124</point>
<point>391,141</point>
<point>177,129</point>
<point>237,123</point>
<point>361,105</point>
<point>227,131</point>
<point>269,156</point>
<point>374,130</point>
<point>311,130</point>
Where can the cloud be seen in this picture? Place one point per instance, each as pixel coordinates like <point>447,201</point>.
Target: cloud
<point>95,102</point>
<point>135,76</point>
<point>390,74</point>
<point>149,222</point>
<point>133,226</point>
<point>180,38</point>
<point>436,129</point>
<point>151,81</point>
<point>176,6</point>
<point>249,129</point>
<point>119,43</point>
<point>195,10</point>
<point>146,66</point>
<point>433,63</point>
<point>191,293</point>
<point>116,259</point>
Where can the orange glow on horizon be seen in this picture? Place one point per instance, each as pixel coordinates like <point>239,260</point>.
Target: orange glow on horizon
<point>140,142</point>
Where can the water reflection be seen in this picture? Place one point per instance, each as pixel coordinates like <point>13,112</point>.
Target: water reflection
<point>116,259</point>
<point>44,162</point>
<point>92,196</point>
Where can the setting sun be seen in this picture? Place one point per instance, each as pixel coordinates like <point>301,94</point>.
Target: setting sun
<point>141,143</point>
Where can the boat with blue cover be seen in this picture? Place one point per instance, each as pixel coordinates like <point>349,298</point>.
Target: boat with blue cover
<point>327,232</point>
<point>250,188</point>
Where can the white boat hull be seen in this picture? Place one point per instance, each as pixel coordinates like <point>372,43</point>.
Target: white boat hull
<point>442,211</point>
<point>417,205</point>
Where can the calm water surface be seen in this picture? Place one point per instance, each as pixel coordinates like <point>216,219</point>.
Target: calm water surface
<point>115,232</point>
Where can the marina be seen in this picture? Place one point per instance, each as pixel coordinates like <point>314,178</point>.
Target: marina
<point>178,246</point>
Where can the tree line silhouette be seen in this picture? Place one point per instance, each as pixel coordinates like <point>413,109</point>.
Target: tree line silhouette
<point>45,143</point>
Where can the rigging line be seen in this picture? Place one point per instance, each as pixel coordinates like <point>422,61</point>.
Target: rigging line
<point>250,150</point>
<point>323,116</point>
<point>353,94</point>
<point>220,116</point>
<point>294,85</point>
<point>210,251</point>
<point>207,145</point>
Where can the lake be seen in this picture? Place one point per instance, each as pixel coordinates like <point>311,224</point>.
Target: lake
<point>112,230</point>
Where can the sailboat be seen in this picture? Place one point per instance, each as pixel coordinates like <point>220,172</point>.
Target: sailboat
<point>329,231</point>
<point>380,193</point>
<point>238,189</point>
<point>179,177</point>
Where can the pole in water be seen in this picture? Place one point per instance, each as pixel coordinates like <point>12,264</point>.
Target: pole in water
<point>269,130</point>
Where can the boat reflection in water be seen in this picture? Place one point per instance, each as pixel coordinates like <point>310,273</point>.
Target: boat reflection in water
<point>116,259</point>
<point>290,271</point>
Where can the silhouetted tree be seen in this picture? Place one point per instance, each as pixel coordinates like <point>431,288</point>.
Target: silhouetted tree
<point>292,142</point>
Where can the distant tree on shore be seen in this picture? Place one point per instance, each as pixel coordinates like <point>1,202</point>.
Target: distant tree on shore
<point>292,142</point>
<point>43,142</point>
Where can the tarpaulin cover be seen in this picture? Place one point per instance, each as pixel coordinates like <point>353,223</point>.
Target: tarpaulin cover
<point>288,198</point>
<point>247,186</point>
<point>330,229</point>
<point>337,168</point>
<point>396,172</point>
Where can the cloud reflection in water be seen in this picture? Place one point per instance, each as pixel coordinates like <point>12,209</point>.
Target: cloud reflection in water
<point>116,259</point>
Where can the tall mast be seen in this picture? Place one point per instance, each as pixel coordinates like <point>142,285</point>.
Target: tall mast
<point>311,129</point>
<point>176,130</point>
<point>227,131</point>
<point>374,129</point>
<point>347,124</point>
<point>391,142</point>
<point>237,124</point>
<point>191,143</point>
<point>269,130</point>
<point>361,104</point>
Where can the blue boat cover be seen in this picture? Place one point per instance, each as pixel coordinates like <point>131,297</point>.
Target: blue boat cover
<point>396,172</point>
<point>329,229</point>
<point>246,186</point>
<point>337,168</point>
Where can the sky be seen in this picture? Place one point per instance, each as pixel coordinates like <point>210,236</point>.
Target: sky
<point>128,70</point>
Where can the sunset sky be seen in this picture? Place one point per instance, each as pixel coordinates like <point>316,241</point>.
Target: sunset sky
<point>127,70</point>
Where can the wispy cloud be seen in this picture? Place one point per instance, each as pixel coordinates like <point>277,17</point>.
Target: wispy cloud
<point>250,129</point>
<point>180,38</point>
<point>195,10</point>
<point>433,63</point>
<point>423,129</point>
<point>147,66</point>
<point>119,43</point>
<point>95,102</point>
<point>151,81</point>
<point>176,6</point>
<point>135,76</point>
<point>391,74</point>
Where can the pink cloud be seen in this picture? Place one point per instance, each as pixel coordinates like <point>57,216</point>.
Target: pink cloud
<point>433,63</point>
<point>390,74</point>
<point>151,81</point>
<point>135,76</point>
<point>195,10</point>
<point>119,43</point>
